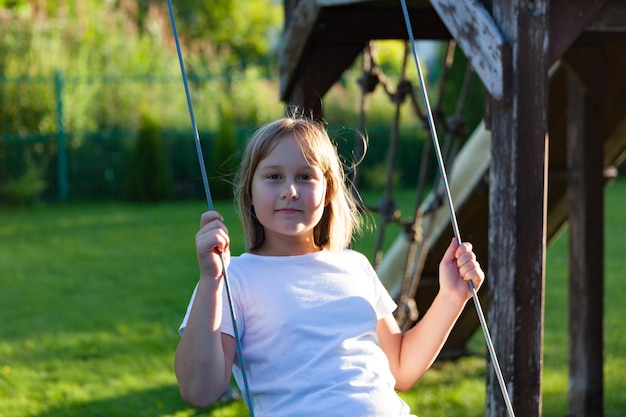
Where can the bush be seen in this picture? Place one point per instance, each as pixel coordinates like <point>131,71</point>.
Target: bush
<point>26,189</point>
<point>224,160</point>
<point>149,178</point>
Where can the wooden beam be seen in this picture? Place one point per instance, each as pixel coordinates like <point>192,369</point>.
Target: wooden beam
<point>567,24</point>
<point>587,63</point>
<point>319,43</point>
<point>347,24</point>
<point>586,217</point>
<point>302,18</point>
<point>481,41</point>
<point>319,70</point>
<point>517,210</point>
<point>611,18</point>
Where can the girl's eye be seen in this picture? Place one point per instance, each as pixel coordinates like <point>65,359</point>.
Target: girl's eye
<point>305,177</point>
<point>273,177</point>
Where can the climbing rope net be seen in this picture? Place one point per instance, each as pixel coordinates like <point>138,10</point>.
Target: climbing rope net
<point>454,129</point>
<point>407,313</point>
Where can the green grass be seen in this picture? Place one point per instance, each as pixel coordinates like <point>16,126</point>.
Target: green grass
<point>91,297</point>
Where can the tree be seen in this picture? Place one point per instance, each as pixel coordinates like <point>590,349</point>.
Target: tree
<point>241,31</point>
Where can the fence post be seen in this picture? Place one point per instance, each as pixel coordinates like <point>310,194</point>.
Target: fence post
<point>62,174</point>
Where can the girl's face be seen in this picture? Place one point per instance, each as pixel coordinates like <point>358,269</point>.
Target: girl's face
<point>289,196</point>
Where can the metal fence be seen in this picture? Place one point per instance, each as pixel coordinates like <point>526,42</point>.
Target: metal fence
<point>78,133</point>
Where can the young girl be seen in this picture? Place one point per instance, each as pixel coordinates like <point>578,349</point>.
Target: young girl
<point>315,323</point>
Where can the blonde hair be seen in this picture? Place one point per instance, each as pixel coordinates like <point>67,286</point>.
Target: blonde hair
<point>341,217</point>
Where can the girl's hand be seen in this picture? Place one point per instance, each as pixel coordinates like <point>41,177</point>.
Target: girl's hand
<point>211,240</point>
<point>458,266</point>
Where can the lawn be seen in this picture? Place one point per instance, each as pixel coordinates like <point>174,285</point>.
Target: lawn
<point>91,297</point>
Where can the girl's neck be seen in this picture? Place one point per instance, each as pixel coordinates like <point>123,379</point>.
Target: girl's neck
<point>286,248</point>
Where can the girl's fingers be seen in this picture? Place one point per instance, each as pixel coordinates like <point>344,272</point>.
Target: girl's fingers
<point>213,234</point>
<point>209,242</point>
<point>464,259</point>
<point>210,220</point>
<point>211,239</point>
<point>464,248</point>
<point>469,268</point>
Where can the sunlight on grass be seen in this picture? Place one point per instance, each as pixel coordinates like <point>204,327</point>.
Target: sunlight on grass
<point>450,388</point>
<point>92,296</point>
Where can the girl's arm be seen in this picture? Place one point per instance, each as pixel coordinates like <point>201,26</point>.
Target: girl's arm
<point>412,353</point>
<point>205,356</point>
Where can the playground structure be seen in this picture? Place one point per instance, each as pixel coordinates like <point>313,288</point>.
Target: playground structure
<point>554,132</point>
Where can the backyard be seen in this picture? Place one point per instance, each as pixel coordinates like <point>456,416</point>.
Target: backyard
<point>91,296</point>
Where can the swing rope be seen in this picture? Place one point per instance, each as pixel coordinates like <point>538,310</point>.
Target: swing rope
<point>397,97</point>
<point>453,220</point>
<point>207,192</point>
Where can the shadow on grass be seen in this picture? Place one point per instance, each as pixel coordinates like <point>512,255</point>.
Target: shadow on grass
<point>162,401</point>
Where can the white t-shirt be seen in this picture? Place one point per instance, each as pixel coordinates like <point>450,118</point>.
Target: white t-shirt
<point>307,326</point>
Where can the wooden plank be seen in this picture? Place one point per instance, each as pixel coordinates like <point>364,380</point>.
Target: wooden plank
<point>347,24</point>
<point>611,18</point>
<point>481,41</point>
<point>319,69</point>
<point>340,2</point>
<point>334,33</point>
<point>366,3</point>
<point>288,8</point>
<point>297,31</point>
<point>586,218</point>
<point>517,210</point>
<point>568,22</point>
<point>609,48</point>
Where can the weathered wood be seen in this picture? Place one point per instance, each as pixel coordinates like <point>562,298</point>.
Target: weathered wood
<point>476,33</point>
<point>611,49</point>
<point>611,18</point>
<point>517,240</point>
<point>288,8</point>
<point>303,16</point>
<point>312,83</point>
<point>604,30</point>
<point>319,43</point>
<point>586,218</point>
<point>615,115</point>
<point>577,16</point>
<point>344,24</point>
<point>566,26</point>
<point>339,2</point>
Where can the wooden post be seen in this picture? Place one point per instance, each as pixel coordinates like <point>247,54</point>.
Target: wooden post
<point>517,210</point>
<point>586,218</point>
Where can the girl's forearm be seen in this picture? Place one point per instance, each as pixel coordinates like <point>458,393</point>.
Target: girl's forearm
<point>200,363</point>
<point>421,345</point>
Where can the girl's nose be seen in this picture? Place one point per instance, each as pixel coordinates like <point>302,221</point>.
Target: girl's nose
<point>289,191</point>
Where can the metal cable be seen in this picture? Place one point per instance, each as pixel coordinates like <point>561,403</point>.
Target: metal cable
<point>455,227</point>
<point>207,191</point>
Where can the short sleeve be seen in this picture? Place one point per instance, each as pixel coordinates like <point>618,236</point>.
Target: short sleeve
<point>382,300</point>
<point>181,328</point>
<point>231,309</point>
<point>384,303</point>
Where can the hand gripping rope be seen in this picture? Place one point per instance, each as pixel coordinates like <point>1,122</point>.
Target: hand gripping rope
<point>207,192</point>
<point>455,226</point>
